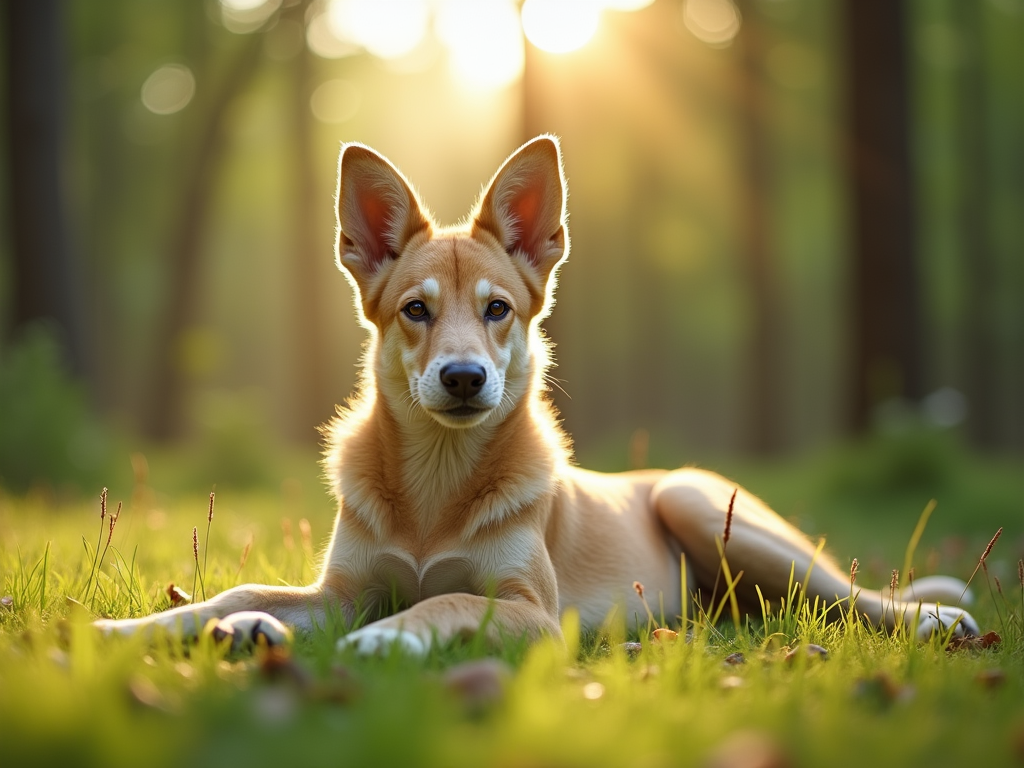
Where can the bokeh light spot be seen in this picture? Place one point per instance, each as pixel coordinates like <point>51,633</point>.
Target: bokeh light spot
<point>169,89</point>
<point>714,22</point>
<point>335,101</point>
<point>323,42</point>
<point>245,16</point>
<point>560,26</point>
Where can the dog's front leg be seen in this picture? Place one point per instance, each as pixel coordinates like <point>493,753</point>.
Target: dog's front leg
<point>244,607</point>
<point>445,617</point>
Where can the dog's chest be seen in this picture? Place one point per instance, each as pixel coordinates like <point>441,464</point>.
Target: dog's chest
<point>413,579</point>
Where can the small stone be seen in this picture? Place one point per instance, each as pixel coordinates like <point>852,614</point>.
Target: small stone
<point>808,650</point>
<point>748,749</point>
<point>478,682</point>
<point>632,649</point>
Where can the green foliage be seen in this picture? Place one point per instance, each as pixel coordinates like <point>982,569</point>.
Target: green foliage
<point>48,437</point>
<point>236,445</point>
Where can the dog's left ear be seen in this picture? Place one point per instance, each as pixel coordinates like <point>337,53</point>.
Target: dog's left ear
<point>524,208</point>
<point>378,214</point>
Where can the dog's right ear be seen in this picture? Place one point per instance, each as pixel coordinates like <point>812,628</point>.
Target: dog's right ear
<point>378,214</point>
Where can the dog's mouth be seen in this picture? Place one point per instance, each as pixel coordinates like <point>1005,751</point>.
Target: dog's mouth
<point>464,411</point>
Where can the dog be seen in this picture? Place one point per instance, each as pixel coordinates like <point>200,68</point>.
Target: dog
<point>455,484</point>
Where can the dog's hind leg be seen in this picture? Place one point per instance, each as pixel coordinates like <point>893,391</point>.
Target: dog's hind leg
<point>693,505</point>
<point>250,609</point>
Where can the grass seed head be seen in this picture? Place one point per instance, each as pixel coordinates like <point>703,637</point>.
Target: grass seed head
<point>103,503</point>
<point>195,543</point>
<point>113,522</point>
<point>894,583</point>
<point>854,567</point>
<point>1020,572</point>
<point>639,589</point>
<point>992,543</point>
<point>209,517</point>
<point>728,517</point>
<point>245,553</point>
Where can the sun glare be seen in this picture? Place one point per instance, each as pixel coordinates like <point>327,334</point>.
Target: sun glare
<point>483,39</point>
<point>714,22</point>
<point>388,30</point>
<point>560,26</point>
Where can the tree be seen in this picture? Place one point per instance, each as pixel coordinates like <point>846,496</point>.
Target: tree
<point>764,390</point>
<point>885,324</point>
<point>46,284</point>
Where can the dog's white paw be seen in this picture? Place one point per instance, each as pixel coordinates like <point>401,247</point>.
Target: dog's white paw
<point>247,629</point>
<point>941,618</point>
<point>381,640</point>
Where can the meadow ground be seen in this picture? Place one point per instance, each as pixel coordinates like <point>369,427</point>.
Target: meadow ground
<point>68,697</point>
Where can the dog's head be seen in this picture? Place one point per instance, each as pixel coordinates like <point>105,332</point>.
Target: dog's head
<point>455,311</point>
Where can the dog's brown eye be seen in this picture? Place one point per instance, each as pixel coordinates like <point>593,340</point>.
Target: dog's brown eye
<point>497,310</point>
<point>416,310</point>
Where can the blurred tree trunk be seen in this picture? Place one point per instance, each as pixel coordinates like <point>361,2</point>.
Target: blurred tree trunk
<point>314,402</point>
<point>45,279</point>
<point>163,416</point>
<point>886,324</point>
<point>764,394</point>
<point>976,253</point>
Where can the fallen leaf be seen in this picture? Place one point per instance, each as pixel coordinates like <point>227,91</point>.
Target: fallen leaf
<point>178,595</point>
<point>664,635</point>
<point>974,642</point>
<point>991,678</point>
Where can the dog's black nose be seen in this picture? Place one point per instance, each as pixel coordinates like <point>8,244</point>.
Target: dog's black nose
<point>463,380</point>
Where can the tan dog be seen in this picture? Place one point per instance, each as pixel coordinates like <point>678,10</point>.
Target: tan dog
<point>455,486</point>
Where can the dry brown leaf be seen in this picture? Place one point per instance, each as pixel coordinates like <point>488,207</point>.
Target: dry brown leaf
<point>664,635</point>
<point>974,642</point>
<point>178,595</point>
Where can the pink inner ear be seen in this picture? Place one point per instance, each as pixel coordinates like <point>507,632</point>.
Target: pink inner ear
<point>525,208</point>
<point>375,215</point>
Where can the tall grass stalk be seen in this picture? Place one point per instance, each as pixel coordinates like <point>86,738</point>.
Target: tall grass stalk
<point>110,536</point>
<point>206,549</point>
<point>96,549</point>
<point>981,561</point>
<point>915,539</point>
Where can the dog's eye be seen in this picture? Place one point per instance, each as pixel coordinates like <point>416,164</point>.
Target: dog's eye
<point>416,310</point>
<point>497,310</point>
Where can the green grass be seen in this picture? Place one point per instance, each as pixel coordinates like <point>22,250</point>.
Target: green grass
<point>68,697</point>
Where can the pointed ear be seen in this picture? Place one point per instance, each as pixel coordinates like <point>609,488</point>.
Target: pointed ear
<point>378,213</point>
<point>524,207</point>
